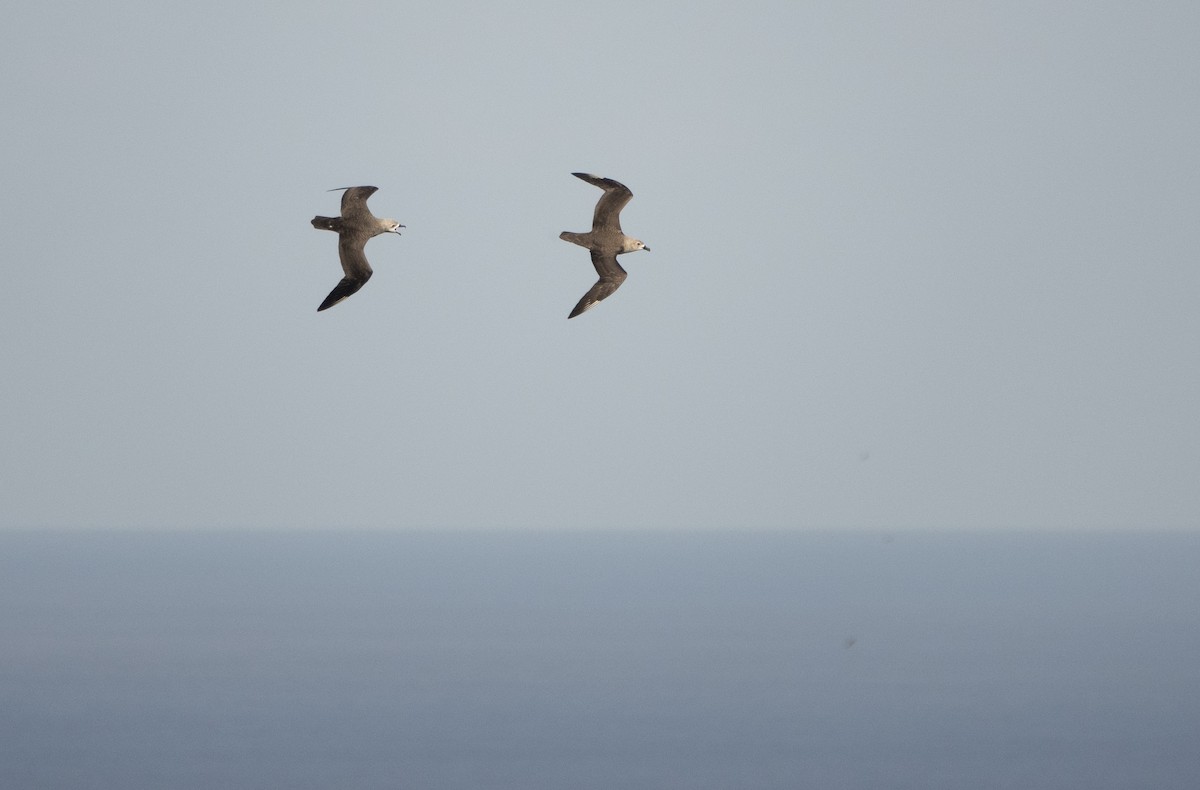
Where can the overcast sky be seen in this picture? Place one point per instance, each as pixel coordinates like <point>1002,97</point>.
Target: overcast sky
<point>914,265</point>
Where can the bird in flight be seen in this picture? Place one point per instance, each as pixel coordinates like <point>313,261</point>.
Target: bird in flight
<point>605,241</point>
<point>355,227</point>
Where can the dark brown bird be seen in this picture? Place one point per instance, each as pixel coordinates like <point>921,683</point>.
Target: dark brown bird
<point>354,228</point>
<point>606,241</point>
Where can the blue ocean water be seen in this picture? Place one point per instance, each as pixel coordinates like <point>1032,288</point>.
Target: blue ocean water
<point>599,660</point>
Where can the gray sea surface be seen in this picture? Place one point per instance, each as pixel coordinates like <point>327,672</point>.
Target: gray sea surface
<point>599,660</point>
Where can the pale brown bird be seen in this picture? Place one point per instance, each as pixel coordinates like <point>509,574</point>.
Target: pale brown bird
<point>605,241</point>
<point>354,228</point>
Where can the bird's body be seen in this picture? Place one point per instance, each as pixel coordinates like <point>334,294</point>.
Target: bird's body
<point>606,240</point>
<point>355,227</point>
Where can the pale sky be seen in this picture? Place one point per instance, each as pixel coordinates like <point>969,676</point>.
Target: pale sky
<point>914,265</point>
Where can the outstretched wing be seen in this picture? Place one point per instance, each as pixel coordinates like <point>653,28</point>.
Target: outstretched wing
<point>611,277</point>
<point>608,208</point>
<point>354,201</point>
<point>352,256</point>
<point>344,289</point>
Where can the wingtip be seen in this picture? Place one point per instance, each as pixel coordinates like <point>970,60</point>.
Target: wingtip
<point>583,307</point>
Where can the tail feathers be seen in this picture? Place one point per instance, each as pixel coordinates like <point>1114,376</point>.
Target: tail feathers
<point>327,223</point>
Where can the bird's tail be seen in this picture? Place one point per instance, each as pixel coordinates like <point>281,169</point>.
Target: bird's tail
<point>327,223</point>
